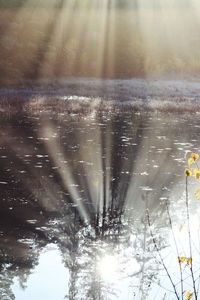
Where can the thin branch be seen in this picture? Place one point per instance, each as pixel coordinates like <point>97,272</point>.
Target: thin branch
<point>180,267</point>
<point>189,236</point>
<point>159,254</point>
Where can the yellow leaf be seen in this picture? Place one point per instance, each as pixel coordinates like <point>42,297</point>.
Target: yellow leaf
<point>181,259</point>
<point>188,260</point>
<point>188,295</point>
<point>197,193</point>
<point>197,174</point>
<point>194,156</point>
<point>181,227</point>
<point>190,161</point>
<point>188,172</point>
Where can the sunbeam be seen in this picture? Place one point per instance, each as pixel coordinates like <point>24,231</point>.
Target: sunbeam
<point>64,171</point>
<point>100,39</point>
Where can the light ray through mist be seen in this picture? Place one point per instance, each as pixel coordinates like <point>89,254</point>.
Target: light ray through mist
<point>65,172</point>
<point>95,167</point>
<point>100,39</point>
<point>91,163</point>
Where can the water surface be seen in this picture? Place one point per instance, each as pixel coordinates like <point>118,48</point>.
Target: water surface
<point>76,184</point>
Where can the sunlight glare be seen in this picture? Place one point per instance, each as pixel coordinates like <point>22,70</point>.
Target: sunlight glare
<point>108,267</point>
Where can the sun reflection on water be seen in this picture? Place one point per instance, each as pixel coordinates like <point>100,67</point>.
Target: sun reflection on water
<point>108,267</point>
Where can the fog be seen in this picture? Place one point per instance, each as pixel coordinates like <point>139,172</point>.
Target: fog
<point>109,39</point>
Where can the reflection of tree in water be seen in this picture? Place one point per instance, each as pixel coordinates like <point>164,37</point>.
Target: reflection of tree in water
<point>72,181</point>
<point>18,256</point>
<point>106,228</point>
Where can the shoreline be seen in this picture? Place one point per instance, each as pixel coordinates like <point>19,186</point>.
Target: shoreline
<point>113,89</point>
<point>82,95</point>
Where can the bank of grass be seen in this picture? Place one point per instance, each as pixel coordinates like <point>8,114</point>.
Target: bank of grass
<point>82,106</point>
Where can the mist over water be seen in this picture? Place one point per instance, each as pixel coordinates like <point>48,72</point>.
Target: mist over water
<point>109,39</point>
